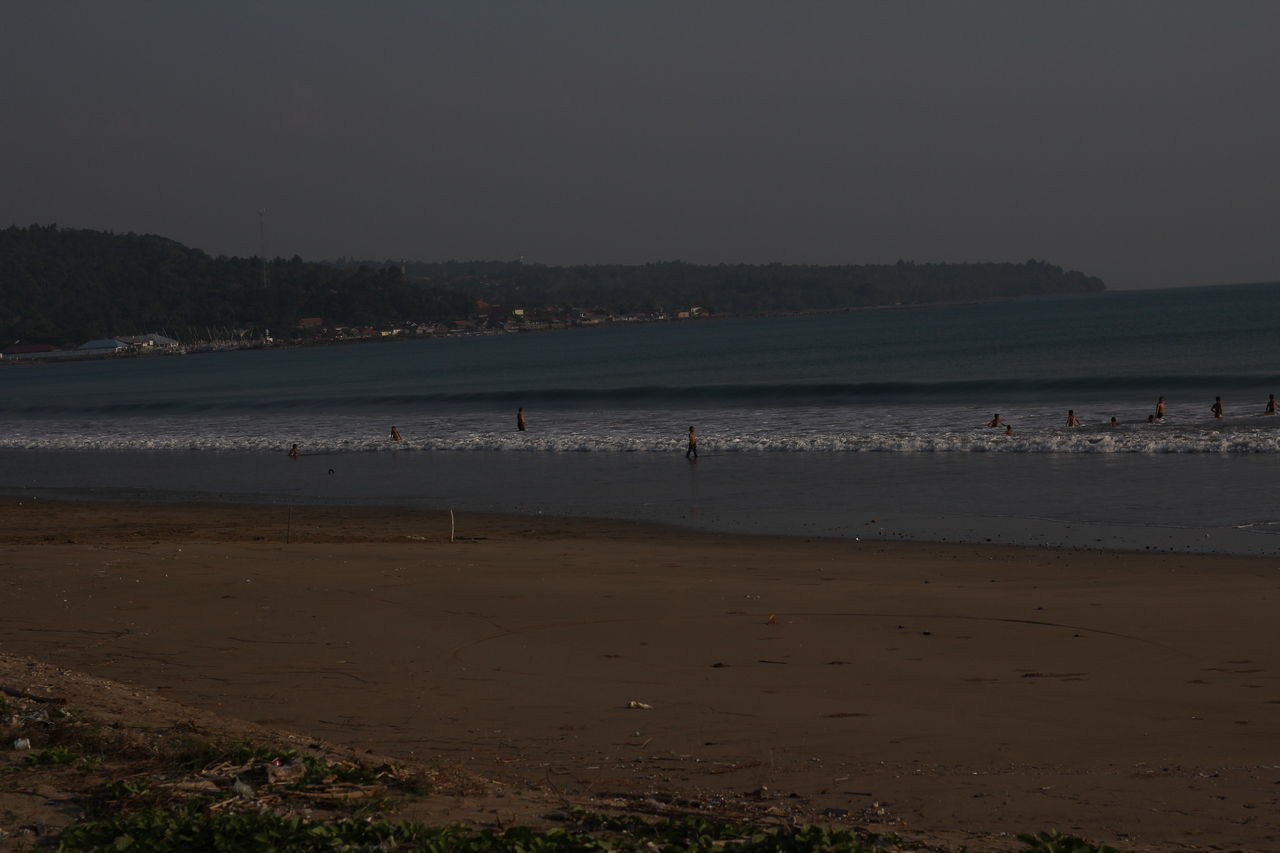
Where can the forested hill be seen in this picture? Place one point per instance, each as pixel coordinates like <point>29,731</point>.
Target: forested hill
<point>751,289</point>
<point>64,286</point>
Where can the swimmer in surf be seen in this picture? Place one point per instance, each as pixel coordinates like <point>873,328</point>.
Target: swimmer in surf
<point>1072,420</point>
<point>1216,408</point>
<point>395,434</point>
<point>293,452</point>
<point>520,425</point>
<point>1271,405</point>
<point>995,421</point>
<point>692,453</point>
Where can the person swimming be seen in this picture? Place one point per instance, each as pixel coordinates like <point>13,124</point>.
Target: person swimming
<point>995,421</point>
<point>1113,422</point>
<point>1072,420</point>
<point>395,434</point>
<point>293,452</point>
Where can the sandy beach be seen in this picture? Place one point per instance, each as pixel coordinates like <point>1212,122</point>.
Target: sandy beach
<point>959,694</point>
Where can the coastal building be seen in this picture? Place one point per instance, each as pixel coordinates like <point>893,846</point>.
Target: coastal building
<point>102,346</point>
<point>151,341</point>
<point>20,352</point>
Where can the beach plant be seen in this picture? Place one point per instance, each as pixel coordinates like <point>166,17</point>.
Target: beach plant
<point>190,829</point>
<point>1053,841</point>
<point>52,757</point>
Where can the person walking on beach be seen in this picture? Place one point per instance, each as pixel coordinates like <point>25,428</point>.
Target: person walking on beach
<point>1160,408</point>
<point>1271,405</point>
<point>395,434</point>
<point>293,452</point>
<point>692,453</point>
<point>1072,420</point>
<point>1216,408</point>
<point>520,425</point>
<point>995,421</point>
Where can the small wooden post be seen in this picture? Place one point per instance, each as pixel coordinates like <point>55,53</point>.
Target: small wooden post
<point>452,527</point>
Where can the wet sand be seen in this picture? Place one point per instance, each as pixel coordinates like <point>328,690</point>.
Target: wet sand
<point>955,692</point>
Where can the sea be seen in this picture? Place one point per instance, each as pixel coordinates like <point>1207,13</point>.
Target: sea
<point>867,424</point>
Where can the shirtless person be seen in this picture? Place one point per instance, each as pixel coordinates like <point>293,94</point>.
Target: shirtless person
<point>1271,405</point>
<point>520,425</point>
<point>692,453</point>
<point>293,452</point>
<point>1072,420</point>
<point>1160,408</point>
<point>395,434</point>
<point>1216,408</point>
<point>995,421</point>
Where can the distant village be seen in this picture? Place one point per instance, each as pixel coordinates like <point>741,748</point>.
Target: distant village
<point>487,319</point>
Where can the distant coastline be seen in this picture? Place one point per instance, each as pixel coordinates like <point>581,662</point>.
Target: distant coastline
<point>74,286</point>
<point>15,355</point>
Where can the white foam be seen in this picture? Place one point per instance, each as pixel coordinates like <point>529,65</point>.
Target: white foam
<point>343,436</point>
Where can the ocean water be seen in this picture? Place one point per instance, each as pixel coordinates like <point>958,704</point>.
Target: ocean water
<point>867,423</point>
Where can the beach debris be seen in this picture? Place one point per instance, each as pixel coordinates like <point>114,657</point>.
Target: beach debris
<point>773,619</point>
<point>639,706</point>
<point>22,743</point>
<point>279,772</point>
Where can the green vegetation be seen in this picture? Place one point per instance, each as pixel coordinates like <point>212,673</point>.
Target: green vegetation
<point>64,286</point>
<point>68,286</point>
<point>752,289</point>
<point>162,831</point>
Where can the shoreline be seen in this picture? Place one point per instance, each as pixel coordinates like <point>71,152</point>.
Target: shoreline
<point>1092,502</point>
<point>953,691</point>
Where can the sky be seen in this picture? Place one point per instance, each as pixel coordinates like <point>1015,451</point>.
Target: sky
<point>1135,141</point>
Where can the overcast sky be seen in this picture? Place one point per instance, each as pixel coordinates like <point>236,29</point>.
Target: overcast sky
<point>1137,141</point>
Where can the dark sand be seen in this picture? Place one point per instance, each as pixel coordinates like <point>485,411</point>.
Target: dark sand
<point>948,692</point>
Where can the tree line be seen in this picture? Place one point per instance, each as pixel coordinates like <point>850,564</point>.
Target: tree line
<point>63,286</point>
<point>752,289</point>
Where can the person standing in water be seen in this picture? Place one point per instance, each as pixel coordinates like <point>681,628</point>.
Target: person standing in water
<point>692,453</point>
<point>520,424</point>
<point>1216,408</point>
<point>395,434</point>
<point>1072,420</point>
<point>293,452</point>
<point>995,421</point>
<point>1271,405</point>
